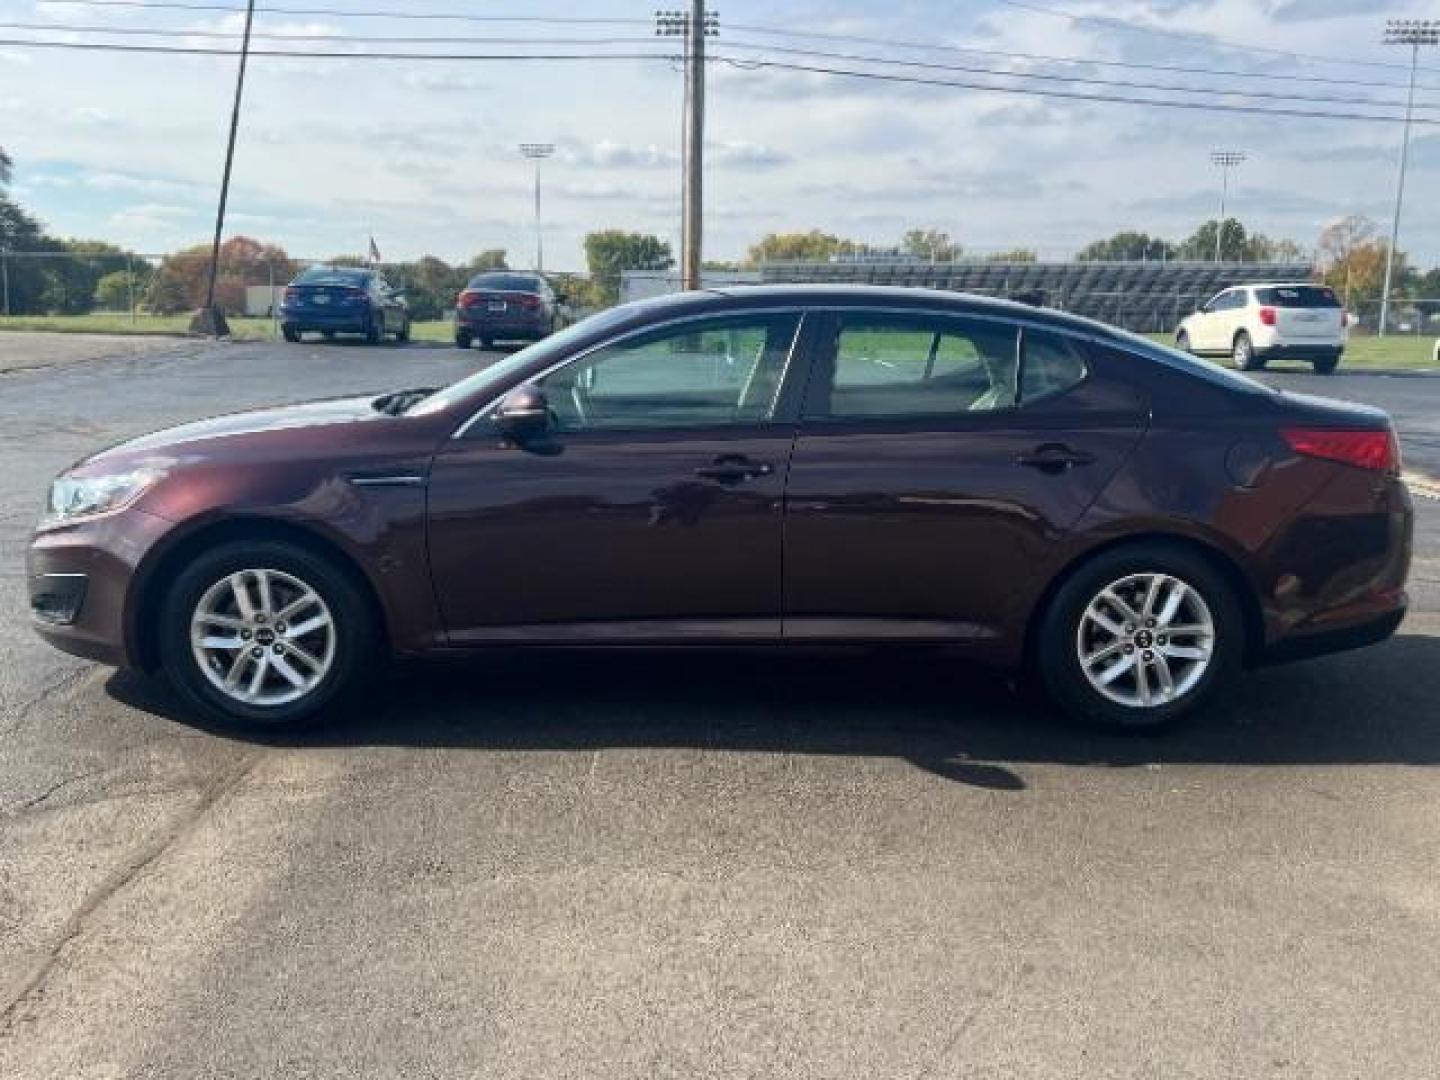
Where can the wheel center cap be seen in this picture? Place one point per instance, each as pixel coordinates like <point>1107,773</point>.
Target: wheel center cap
<point>265,636</point>
<point>1144,639</point>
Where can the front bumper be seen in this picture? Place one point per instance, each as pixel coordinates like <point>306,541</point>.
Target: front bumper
<point>80,579</point>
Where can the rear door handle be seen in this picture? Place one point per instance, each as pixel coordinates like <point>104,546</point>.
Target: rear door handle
<point>732,469</point>
<point>1054,458</point>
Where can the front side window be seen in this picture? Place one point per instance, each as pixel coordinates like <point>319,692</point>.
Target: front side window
<point>700,373</point>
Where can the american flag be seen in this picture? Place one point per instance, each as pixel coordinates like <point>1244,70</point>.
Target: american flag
<point>374,251</point>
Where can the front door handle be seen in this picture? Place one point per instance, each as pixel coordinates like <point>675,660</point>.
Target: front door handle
<point>733,468</point>
<point>1054,458</point>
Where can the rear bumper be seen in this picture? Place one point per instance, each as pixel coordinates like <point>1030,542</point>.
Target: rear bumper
<point>1296,351</point>
<point>1370,631</point>
<point>502,325</point>
<point>341,320</point>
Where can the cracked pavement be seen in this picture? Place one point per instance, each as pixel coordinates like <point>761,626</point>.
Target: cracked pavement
<point>711,865</point>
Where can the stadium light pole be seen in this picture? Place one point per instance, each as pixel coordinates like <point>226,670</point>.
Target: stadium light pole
<point>1412,32</point>
<point>1227,160</point>
<point>538,152</point>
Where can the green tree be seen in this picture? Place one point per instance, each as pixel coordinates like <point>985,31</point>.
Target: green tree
<point>1235,244</point>
<point>28,280</point>
<point>167,293</point>
<point>812,246</point>
<point>932,245</point>
<point>7,165</point>
<point>610,252</point>
<point>1127,246</point>
<point>113,292</point>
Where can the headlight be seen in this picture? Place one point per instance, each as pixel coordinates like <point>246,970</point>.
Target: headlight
<point>75,497</point>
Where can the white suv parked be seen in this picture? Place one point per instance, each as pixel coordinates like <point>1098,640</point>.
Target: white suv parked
<point>1256,323</point>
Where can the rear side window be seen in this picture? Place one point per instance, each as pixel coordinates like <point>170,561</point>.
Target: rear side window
<point>505,283</point>
<point>1298,296</point>
<point>1049,365</point>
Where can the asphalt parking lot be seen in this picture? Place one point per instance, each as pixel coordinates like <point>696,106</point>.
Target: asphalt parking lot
<point>720,866</point>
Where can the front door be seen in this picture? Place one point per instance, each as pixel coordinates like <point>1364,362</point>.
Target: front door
<point>650,511</point>
<point>939,460</point>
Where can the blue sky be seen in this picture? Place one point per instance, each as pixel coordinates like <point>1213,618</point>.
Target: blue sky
<point>129,148</point>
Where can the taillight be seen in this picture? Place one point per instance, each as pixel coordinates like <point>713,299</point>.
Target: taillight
<point>292,295</point>
<point>469,299</point>
<point>1378,450</point>
<point>1267,316</point>
<point>525,300</point>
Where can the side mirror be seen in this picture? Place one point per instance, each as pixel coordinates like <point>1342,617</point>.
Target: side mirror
<point>523,413</point>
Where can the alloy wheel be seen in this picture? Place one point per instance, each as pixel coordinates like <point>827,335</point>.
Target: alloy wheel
<point>263,637</point>
<point>1145,640</point>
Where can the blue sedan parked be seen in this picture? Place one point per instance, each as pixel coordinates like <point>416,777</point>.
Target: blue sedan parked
<point>341,300</point>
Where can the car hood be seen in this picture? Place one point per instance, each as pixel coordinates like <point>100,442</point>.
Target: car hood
<point>175,441</point>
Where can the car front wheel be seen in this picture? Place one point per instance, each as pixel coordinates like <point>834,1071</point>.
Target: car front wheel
<point>462,339</point>
<point>1182,341</point>
<point>1140,637</point>
<point>264,634</point>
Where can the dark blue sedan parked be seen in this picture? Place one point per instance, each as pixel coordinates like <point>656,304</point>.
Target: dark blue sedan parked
<point>341,300</point>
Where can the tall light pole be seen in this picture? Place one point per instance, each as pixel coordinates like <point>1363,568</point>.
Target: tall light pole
<point>1412,32</point>
<point>538,152</point>
<point>695,25</point>
<point>1227,160</point>
<point>211,320</point>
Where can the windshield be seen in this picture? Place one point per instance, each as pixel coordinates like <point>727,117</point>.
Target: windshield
<point>498,373</point>
<point>504,282</point>
<point>1194,365</point>
<point>327,275</point>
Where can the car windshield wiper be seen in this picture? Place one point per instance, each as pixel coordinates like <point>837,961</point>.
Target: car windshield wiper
<point>398,402</point>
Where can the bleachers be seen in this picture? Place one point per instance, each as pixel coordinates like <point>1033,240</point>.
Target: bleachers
<point>1147,297</point>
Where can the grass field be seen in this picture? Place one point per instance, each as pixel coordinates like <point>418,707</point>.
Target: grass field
<point>1399,353</point>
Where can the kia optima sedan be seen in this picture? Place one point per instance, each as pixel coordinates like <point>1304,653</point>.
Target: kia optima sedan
<point>761,466</point>
<point>502,305</point>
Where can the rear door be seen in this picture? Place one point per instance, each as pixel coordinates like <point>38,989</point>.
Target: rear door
<point>939,460</point>
<point>1305,314</point>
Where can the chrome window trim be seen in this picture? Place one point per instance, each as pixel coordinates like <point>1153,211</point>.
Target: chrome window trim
<point>789,309</point>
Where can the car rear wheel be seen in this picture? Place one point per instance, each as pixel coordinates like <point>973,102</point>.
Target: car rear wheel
<point>290,334</point>
<point>374,331</point>
<point>1326,365</point>
<point>403,334</point>
<point>487,343</point>
<point>1140,637</point>
<point>1243,353</point>
<point>462,339</point>
<point>264,634</point>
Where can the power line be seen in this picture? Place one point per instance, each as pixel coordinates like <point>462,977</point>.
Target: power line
<point>1194,106</point>
<point>313,54</point>
<point>1205,39</point>
<point>738,62</point>
<point>1076,79</point>
<point>930,46</point>
<point>303,39</point>
<point>340,13</point>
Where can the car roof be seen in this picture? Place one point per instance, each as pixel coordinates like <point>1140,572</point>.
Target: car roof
<point>960,303</point>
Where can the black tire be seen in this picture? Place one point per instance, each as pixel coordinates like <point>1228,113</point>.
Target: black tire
<point>290,334</point>
<point>374,331</point>
<point>1242,352</point>
<point>1326,365</point>
<point>1182,341</point>
<point>403,334</point>
<point>1058,641</point>
<point>356,636</point>
<point>328,335</point>
<point>462,339</point>
<point>487,343</point>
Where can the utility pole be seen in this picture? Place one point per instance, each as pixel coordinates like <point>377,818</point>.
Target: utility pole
<point>1412,32</point>
<point>696,25</point>
<point>538,152</point>
<point>1227,160</point>
<point>211,320</point>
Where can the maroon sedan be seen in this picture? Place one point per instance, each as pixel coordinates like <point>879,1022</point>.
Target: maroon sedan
<point>765,465</point>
